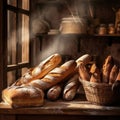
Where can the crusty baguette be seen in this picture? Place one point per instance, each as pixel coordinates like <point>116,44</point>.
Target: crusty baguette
<point>71,87</point>
<point>107,66</point>
<point>41,70</point>
<point>86,58</point>
<point>55,76</point>
<point>118,76</point>
<point>94,68</point>
<point>83,72</point>
<point>116,85</point>
<point>113,74</point>
<point>23,96</point>
<point>54,92</point>
<point>26,77</point>
<point>95,74</point>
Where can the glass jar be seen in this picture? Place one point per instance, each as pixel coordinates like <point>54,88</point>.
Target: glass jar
<point>118,28</point>
<point>102,29</point>
<point>111,29</point>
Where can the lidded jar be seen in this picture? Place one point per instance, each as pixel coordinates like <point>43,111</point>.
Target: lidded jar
<point>102,29</point>
<point>111,28</point>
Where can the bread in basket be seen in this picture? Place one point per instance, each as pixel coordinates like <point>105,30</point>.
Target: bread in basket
<point>98,89</point>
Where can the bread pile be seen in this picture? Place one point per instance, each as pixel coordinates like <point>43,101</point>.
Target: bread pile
<point>21,94</point>
<point>101,82</point>
<point>52,79</point>
<point>109,72</point>
<point>47,80</point>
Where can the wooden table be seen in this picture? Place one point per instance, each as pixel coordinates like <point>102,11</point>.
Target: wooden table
<point>61,110</point>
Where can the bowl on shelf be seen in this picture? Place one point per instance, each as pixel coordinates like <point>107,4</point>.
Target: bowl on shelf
<point>73,25</point>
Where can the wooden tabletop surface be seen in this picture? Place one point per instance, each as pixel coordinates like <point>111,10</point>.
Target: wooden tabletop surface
<point>75,107</point>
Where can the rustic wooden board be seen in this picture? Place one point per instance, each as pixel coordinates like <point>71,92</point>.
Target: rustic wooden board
<point>60,107</point>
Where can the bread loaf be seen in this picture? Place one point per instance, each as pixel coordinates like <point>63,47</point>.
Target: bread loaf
<point>54,92</point>
<point>41,70</point>
<point>84,58</point>
<point>71,87</point>
<point>26,77</point>
<point>55,76</point>
<point>107,66</point>
<point>113,74</point>
<point>95,74</point>
<point>23,96</point>
<point>116,85</point>
<point>83,72</point>
<point>118,75</point>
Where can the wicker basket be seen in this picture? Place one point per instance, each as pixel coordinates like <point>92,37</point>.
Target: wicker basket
<point>99,93</point>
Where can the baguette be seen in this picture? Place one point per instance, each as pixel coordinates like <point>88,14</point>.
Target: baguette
<point>118,76</point>
<point>54,92</point>
<point>107,66</point>
<point>83,72</point>
<point>26,77</point>
<point>71,87</point>
<point>95,74</point>
<point>55,76</point>
<point>41,70</point>
<point>116,85</point>
<point>113,74</point>
<point>84,58</point>
<point>94,68</point>
<point>23,96</point>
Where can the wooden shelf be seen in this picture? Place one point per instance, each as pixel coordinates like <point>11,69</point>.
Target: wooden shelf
<point>83,35</point>
<point>107,35</point>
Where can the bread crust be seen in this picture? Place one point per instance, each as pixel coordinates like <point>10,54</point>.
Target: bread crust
<point>95,74</point>
<point>107,66</point>
<point>70,89</point>
<point>86,58</point>
<point>54,92</point>
<point>41,70</point>
<point>113,74</point>
<point>118,76</point>
<point>55,76</point>
<point>83,72</point>
<point>23,96</point>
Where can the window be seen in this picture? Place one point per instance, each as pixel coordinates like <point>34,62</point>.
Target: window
<point>18,40</point>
